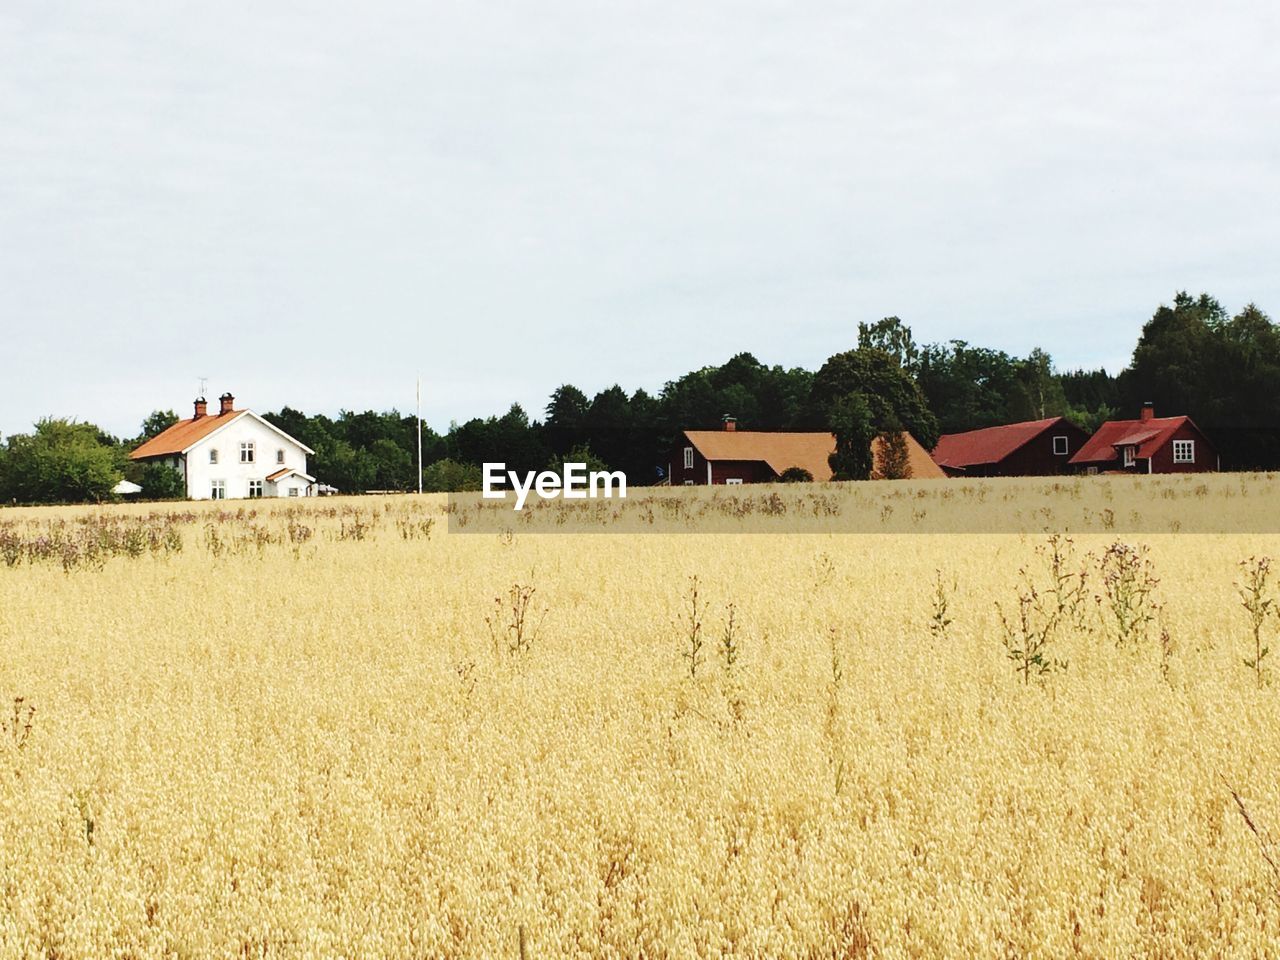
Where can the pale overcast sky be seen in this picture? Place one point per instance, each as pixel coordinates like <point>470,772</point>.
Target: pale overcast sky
<point>314,203</point>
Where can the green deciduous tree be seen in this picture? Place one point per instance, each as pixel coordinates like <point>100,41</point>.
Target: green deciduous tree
<point>889,392</point>
<point>61,462</point>
<point>853,425</point>
<point>161,482</point>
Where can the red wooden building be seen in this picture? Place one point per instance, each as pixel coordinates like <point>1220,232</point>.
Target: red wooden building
<point>1034,448</point>
<point>1149,444</point>
<point>746,456</point>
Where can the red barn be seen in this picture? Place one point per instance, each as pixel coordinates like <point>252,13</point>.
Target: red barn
<point>1034,448</point>
<point>746,456</point>
<point>1149,444</point>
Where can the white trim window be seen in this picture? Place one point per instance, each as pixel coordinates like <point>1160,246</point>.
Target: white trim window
<point>688,483</point>
<point>280,456</point>
<point>255,489</point>
<point>293,491</point>
<point>688,458</point>
<point>733,481</point>
<point>213,454</point>
<point>1184,451</point>
<point>1060,446</point>
<point>218,490</point>
<point>1130,455</point>
<point>247,452</point>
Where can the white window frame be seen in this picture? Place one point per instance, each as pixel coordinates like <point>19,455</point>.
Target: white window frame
<point>688,483</point>
<point>688,458</point>
<point>257,485</point>
<point>1189,446</point>
<point>280,456</point>
<point>1091,471</point>
<point>1130,454</point>
<point>248,452</point>
<point>213,454</point>
<point>217,489</point>
<point>293,491</point>
<point>733,481</point>
<point>1061,450</point>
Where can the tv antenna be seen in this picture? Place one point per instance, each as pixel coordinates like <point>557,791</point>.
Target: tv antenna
<point>203,382</point>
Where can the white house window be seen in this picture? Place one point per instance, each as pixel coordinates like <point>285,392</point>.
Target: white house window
<point>1184,451</point>
<point>688,458</point>
<point>246,452</point>
<point>1130,458</point>
<point>255,488</point>
<point>1059,446</point>
<point>213,455</point>
<point>293,491</point>
<point>280,455</point>
<point>218,490</point>
<point>734,481</point>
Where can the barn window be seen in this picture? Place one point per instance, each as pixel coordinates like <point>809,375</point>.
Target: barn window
<point>688,483</point>
<point>280,455</point>
<point>1184,451</point>
<point>246,452</point>
<point>734,481</point>
<point>218,490</point>
<point>688,458</point>
<point>1060,446</point>
<point>213,455</point>
<point>1130,457</point>
<point>255,488</point>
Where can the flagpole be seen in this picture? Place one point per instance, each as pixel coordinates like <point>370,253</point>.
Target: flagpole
<point>419,435</point>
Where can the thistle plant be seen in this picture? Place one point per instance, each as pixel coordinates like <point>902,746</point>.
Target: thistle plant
<point>1127,601</point>
<point>694,612</point>
<point>940,619</point>
<point>1255,597</point>
<point>511,625</point>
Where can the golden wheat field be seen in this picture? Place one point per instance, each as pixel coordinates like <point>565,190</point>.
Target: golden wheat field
<point>352,728</point>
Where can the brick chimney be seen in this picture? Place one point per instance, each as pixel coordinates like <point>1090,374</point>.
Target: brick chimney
<point>730,423</point>
<point>202,408</point>
<point>1148,410</point>
<point>225,403</point>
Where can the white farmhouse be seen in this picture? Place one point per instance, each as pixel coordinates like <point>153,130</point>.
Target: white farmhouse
<point>231,454</point>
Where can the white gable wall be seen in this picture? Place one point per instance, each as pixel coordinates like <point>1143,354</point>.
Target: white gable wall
<point>236,475</point>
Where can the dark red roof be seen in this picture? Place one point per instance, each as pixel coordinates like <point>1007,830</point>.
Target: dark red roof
<point>1147,435</point>
<point>989,445</point>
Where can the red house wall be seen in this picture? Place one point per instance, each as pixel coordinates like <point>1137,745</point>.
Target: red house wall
<point>1206,456</point>
<point>1035,459</point>
<point>748,471</point>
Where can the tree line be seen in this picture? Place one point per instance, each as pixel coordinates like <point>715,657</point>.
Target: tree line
<point>1192,357</point>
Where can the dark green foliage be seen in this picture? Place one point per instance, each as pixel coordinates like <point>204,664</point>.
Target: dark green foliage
<point>889,392</point>
<point>853,424</point>
<point>156,423</point>
<point>61,462</point>
<point>796,475</point>
<point>161,482</point>
<point>449,476</point>
<point>579,454</point>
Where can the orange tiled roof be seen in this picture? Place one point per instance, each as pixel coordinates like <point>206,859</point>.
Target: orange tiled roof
<point>807,450</point>
<point>182,435</point>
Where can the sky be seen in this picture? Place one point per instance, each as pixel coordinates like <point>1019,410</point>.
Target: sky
<point>317,203</point>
